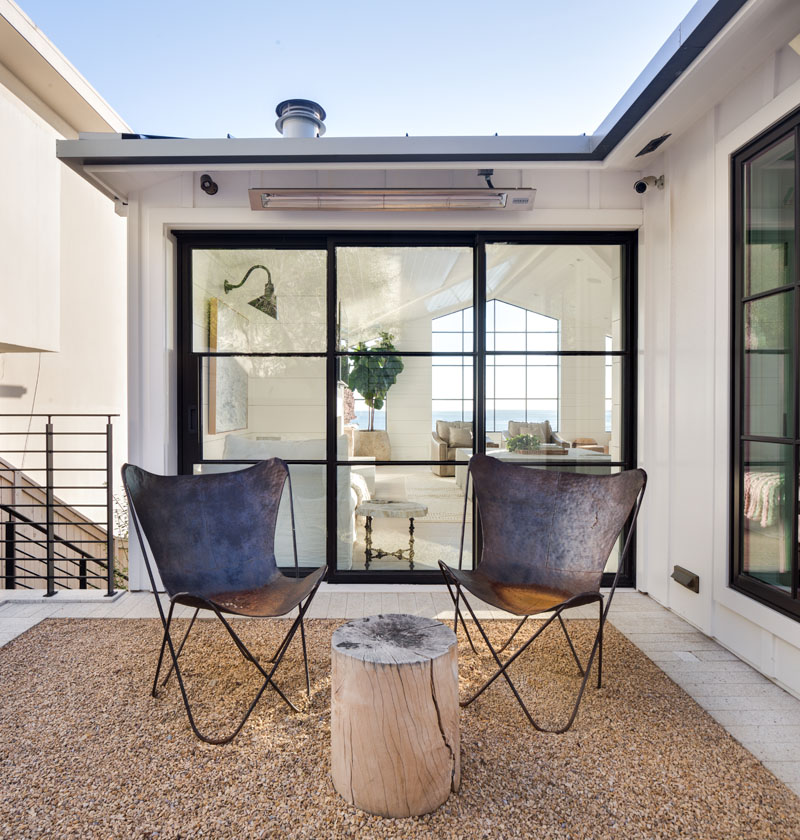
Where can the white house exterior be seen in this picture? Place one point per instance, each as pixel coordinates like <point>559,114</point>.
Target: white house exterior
<point>724,77</point>
<point>62,284</point>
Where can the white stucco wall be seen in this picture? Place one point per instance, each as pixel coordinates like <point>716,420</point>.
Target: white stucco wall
<point>29,229</point>
<point>685,288</point>
<point>63,341</point>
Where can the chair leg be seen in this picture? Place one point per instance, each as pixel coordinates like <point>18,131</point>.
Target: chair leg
<point>279,651</point>
<point>511,637</point>
<point>455,598</point>
<point>503,667</point>
<point>166,622</point>
<point>267,674</point>
<point>600,646</point>
<point>268,680</point>
<point>305,657</point>
<point>251,658</point>
<point>571,646</point>
<point>183,642</point>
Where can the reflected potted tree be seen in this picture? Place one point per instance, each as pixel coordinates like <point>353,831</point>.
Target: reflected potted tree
<point>372,375</point>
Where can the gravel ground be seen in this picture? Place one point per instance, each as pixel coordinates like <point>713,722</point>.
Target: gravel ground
<point>85,752</point>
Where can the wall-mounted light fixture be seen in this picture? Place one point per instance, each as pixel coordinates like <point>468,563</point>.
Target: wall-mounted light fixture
<point>266,303</point>
<point>686,578</point>
<point>397,199</point>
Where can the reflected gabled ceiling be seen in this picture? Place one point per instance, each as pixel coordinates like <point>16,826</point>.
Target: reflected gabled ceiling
<point>388,289</point>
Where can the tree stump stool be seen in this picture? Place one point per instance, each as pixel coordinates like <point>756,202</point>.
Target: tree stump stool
<point>395,746</point>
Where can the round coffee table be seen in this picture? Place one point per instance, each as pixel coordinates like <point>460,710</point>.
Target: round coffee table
<point>391,509</point>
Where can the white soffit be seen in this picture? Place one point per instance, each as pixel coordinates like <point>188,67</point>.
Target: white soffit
<point>30,57</point>
<point>756,31</point>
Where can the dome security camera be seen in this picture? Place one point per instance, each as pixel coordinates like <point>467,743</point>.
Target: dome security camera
<point>644,184</point>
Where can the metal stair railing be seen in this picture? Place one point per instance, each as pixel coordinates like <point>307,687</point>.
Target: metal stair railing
<point>36,544</point>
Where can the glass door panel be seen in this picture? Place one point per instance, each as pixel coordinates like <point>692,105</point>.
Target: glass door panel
<point>576,286</point>
<point>402,351</point>
<point>769,222</point>
<point>258,301</point>
<point>768,366</point>
<point>309,496</point>
<point>257,407</point>
<point>764,494</point>
<point>400,518</point>
<point>767,551</point>
<point>399,290</point>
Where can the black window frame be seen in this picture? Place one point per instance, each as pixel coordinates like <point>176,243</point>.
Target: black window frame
<point>189,362</point>
<point>765,593</point>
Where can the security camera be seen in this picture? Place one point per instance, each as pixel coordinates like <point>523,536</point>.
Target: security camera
<point>208,186</point>
<point>644,184</point>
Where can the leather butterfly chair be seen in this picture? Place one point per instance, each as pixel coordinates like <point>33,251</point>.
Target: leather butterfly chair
<point>547,537</point>
<point>212,540</point>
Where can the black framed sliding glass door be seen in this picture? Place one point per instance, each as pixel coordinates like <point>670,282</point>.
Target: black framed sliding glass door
<point>765,436</point>
<point>377,364</point>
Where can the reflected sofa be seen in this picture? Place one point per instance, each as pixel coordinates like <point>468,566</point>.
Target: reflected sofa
<point>449,436</point>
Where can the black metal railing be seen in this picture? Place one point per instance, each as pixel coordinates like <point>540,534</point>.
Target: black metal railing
<point>51,541</point>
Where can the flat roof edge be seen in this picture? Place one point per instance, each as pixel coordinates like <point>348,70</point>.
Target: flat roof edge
<point>705,21</point>
<point>702,24</point>
<point>116,150</point>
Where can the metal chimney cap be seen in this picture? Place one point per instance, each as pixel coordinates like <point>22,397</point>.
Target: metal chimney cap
<point>302,109</point>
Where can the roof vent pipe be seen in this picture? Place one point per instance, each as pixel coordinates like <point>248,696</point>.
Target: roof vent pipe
<point>300,118</point>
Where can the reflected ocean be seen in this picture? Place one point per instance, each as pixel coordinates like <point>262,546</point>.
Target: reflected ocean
<point>496,421</point>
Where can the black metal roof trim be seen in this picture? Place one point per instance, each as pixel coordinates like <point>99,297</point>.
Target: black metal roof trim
<point>363,158</point>
<point>697,40</point>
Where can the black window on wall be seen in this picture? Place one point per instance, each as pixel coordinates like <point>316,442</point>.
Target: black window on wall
<point>766,324</point>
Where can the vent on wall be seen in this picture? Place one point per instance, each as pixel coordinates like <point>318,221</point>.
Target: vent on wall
<point>653,145</point>
<point>398,199</point>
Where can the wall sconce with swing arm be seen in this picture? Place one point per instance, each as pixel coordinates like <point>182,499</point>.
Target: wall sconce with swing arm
<point>266,303</point>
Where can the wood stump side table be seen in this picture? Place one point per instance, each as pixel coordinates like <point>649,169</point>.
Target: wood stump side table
<point>395,743</point>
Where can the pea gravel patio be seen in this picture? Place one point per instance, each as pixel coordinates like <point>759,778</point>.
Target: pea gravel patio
<point>87,753</point>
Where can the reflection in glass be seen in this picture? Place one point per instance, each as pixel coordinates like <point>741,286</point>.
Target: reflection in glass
<point>399,290</point>
<point>309,494</point>
<point>769,218</point>
<point>262,400</point>
<point>258,300</point>
<point>766,513</point>
<point>388,543</point>
<point>768,389</point>
<point>577,286</point>
<point>574,405</point>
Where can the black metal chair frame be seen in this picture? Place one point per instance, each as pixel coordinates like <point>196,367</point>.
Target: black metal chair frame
<point>455,589</point>
<point>200,602</point>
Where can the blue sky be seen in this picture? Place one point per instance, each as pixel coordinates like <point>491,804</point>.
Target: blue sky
<point>205,69</point>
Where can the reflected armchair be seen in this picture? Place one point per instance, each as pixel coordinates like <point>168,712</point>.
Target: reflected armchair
<point>449,436</point>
